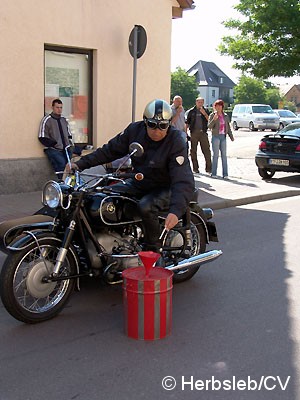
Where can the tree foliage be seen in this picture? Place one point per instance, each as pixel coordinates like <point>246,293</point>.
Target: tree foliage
<point>267,42</point>
<point>185,86</point>
<point>251,90</point>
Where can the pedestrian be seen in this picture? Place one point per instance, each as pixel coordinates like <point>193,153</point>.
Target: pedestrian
<point>55,135</point>
<point>196,121</point>
<point>219,124</point>
<point>178,114</point>
<point>168,182</point>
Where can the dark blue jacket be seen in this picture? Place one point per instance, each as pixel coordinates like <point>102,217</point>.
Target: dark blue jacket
<point>165,163</point>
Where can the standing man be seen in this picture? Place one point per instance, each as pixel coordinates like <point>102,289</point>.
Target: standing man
<point>55,135</point>
<point>196,121</point>
<point>178,114</point>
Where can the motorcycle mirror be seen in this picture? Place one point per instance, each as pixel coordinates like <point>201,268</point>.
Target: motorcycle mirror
<point>136,149</point>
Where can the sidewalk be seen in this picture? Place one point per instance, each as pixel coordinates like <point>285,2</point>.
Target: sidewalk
<point>215,193</point>
<point>219,193</point>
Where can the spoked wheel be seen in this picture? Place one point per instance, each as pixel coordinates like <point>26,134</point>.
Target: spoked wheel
<point>266,173</point>
<point>24,293</point>
<point>198,245</point>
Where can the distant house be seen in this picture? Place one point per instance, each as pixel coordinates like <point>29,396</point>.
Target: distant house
<point>293,95</point>
<point>213,84</point>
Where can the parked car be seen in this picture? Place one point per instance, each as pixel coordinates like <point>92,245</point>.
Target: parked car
<point>254,117</point>
<point>286,117</point>
<point>279,151</point>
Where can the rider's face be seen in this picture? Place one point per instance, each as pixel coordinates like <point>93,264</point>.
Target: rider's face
<point>157,134</point>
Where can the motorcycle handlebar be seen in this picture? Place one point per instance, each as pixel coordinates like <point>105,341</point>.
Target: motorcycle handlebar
<point>126,175</point>
<point>100,179</point>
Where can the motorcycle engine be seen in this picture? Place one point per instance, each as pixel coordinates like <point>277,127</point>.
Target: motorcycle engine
<point>121,250</point>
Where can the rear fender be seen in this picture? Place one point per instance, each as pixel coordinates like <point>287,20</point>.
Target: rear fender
<point>204,216</point>
<point>198,219</point>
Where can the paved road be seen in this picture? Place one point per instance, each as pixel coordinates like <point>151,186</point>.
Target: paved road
<point>237,318</point>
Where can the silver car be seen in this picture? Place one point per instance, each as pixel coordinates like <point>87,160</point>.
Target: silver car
<point>254,117</point>
<point>286,117</point>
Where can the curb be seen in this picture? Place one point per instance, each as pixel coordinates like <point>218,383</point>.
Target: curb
<point>227,203</point>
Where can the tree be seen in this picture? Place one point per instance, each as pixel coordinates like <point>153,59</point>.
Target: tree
<point>249,90</point>
<point>268,39</point>
<point>252,90</point>
<point>184,85</point>
<point>273,97</point>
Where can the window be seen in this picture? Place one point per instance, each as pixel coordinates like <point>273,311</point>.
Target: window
<point>68,76</point>
<point>213,93</point>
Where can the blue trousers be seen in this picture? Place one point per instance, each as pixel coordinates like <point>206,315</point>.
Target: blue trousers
<point>58,160</point>
<point>218,143</point>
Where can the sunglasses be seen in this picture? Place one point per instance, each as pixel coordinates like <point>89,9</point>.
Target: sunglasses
<point>154,124</point>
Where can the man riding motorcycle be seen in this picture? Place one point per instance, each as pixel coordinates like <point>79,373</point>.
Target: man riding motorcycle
<point>168,182</point>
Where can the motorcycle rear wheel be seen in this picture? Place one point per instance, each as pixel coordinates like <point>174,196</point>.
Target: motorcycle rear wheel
<point>23,293</point>
<point>198,236</point>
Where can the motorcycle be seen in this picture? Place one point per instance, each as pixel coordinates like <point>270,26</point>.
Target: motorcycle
<point>87,229</point>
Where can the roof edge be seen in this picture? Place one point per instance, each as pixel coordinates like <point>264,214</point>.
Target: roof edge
<point>177,12</point>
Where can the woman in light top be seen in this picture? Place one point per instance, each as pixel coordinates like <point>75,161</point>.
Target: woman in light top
<point>219,124</point>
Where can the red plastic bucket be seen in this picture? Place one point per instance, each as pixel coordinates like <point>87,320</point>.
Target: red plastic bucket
<point>147,303</point>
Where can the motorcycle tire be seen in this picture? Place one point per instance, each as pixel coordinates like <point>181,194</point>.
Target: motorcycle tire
<point>199,236</point>
<point>22,291</point>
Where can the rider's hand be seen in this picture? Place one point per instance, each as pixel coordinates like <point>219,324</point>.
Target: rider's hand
<point>171,221</point>
<point>69,170</point>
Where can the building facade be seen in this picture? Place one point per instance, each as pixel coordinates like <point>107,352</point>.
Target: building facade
<point>77,50</point>
<point>213,83</point>
<point>293,95</point>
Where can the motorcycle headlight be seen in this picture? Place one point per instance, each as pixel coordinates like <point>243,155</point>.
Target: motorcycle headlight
<point>52,194</point>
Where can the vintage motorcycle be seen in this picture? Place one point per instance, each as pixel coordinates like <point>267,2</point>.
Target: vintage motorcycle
<point>86,229</point>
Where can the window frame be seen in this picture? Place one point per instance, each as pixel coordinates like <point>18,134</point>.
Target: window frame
<point>89,53</point>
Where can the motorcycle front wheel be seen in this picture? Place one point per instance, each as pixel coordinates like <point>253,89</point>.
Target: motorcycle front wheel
<point>198,242</point>
<point>24,293</point>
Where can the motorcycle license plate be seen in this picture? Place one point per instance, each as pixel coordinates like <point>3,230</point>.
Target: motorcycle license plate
<point>273,161</point>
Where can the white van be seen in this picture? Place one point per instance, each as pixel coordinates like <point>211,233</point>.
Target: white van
<point>254,117</point>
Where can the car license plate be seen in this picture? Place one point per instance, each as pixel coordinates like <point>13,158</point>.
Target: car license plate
<point>286,163</point>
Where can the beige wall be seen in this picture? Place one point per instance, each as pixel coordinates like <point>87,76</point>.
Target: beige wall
<point>101,25</point>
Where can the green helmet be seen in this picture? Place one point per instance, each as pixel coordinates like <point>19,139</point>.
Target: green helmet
<point>158,110</point>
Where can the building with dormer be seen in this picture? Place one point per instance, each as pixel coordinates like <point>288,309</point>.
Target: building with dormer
<point>212,82</point>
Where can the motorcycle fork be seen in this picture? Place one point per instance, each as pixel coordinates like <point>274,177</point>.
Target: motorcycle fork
<point>61,256</point>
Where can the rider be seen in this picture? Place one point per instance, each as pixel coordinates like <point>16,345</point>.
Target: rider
<point>168,182</point>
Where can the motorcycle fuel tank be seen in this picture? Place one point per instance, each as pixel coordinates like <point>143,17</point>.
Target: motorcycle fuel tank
<point>112,210</point>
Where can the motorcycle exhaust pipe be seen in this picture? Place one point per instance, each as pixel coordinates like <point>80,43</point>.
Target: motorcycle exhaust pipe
<point>193,261</point>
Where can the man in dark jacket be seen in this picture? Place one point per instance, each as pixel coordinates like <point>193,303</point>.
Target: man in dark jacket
<point>55,135</point>
<point>168,182</point>
<point>196,120</point>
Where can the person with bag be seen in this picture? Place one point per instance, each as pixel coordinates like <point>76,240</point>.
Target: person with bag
<point>219,124</point>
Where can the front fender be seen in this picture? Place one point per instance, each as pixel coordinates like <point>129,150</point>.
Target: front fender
<point>11,230</point>
<point>26,239</point>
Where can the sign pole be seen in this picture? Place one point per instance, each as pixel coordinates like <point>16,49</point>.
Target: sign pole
<point>135,45</point>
